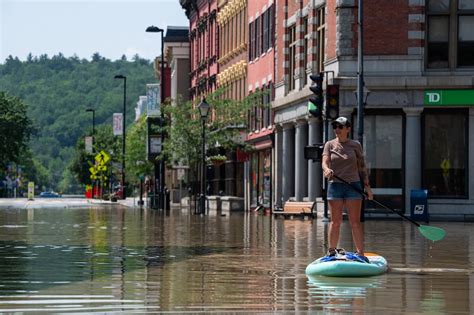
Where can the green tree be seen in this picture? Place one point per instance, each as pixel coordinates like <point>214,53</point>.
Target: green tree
<point>58,89</point>
<point>135,156</point>
<point>33,170</point>
<point>226,120</point>
<point>104,140</point>
<point>15,129</point>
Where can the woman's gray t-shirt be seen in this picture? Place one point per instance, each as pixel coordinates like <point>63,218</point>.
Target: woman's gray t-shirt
<point>346,159</point>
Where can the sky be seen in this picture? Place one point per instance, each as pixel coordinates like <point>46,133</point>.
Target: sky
<point>83,27</point>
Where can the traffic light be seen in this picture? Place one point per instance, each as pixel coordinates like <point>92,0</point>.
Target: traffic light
<point>332,101</point>
<point>314,152</point>
<point>315,102</point>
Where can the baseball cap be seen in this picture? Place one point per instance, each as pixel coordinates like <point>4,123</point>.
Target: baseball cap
<point>342,121</point>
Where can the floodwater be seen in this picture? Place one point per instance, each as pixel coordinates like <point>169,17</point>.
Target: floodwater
<point>123,260</point>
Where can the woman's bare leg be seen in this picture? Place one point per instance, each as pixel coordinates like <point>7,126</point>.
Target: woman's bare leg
<point>353,209</point>
<point>335,206</point>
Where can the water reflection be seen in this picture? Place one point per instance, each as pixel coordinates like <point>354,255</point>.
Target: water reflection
<point>343,294</point>
<point>125,260</point>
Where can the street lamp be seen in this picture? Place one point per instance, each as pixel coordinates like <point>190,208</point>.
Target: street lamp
<point>124,78</point>
<point>365,95</point>
<point>360,82</point>
<point>203,111</point>
<point>93,142</point>
<point>93,124</point>
<point>360,74</point>
<point>156,29</point>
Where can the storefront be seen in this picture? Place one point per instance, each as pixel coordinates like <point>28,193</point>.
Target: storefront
<point>426,146</point>
<point>447,146</point>
<point>260,170</point>
<point>260,179</point>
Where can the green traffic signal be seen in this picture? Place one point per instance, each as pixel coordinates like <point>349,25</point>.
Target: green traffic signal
<point>316,102</point>
<point>313,108</point>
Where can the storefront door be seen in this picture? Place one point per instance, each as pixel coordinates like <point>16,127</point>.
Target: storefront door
<point>260,175</point>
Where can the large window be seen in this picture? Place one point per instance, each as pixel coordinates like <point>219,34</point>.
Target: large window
<point>450,36</point>
<point>305,49</point>
<point>292,57</point>
<point>383,149</point>
<point>252,41</point>
<point>261,33</point>
<point>321,28</point>
<point>260,116</point>
<point>445,150</point>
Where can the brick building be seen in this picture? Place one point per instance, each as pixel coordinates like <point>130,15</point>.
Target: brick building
<point>260,77</point>
<point>301,49</point>
<point>418,68</point>
<point>204,46</point>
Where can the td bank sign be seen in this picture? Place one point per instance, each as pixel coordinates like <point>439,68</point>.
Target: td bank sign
<point>449,97</point>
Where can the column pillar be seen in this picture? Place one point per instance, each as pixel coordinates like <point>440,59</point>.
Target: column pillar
<point>277,167</point>
<point>288,163</point>
<point>301,165</point>
<point>314,168</point>
<point>470,142</point>
<point>413,169</point>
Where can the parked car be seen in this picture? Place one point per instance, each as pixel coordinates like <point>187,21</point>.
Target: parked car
<point>49,194</point>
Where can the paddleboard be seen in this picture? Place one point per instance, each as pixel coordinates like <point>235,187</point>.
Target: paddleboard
<point>344,267</point>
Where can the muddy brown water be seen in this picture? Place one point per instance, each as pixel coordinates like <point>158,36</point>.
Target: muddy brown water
<point>123,260</point>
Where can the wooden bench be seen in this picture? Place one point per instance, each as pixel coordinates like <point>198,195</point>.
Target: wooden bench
<point>298,209</point>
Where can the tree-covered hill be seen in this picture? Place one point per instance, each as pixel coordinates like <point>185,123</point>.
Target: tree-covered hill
<point>58,90</point>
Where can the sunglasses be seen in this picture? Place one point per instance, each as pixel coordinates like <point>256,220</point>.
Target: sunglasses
<point>336,126</point>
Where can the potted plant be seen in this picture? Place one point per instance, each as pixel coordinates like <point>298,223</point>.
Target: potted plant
<point>218,159</point>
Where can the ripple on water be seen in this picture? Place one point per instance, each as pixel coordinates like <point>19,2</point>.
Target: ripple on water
<point>110,260</point>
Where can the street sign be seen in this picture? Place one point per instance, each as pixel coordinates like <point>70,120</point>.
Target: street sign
<point>31,190</point>
<point>92,170</point>
<point>153,98</point>
<point>102,168</point>
<point>155,145</point>
<point>449,97</point>
<point>118,124</point>
<point>88,142</point>
<point>102,157</point>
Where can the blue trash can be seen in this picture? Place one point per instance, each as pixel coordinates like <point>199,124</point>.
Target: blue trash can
<point>419,205</point>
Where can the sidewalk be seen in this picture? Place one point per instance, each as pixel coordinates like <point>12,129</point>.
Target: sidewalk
<point>24,203</point>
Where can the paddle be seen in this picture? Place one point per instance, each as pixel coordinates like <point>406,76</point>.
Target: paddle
<point>430,232</point>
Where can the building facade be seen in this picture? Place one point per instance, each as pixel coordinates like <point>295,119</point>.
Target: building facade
<point>228,179</point>
<point>260,78</point>
<point>414,138</point>
<point>204,45</point>
<point>418,106</point>
<point>176,49</point>
<point>300,51</point>
<point>177,55</point>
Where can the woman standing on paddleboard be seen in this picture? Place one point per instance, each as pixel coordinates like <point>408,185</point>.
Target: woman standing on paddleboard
<point>344,158</point>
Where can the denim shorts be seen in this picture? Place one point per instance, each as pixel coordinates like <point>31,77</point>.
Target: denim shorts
<point>343,191</point>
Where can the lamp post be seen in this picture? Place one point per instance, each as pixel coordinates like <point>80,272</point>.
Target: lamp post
<point>360,75</point>
<point>124,78</point>
<point>156,29</point>
<point>360,84</point>
<point>203,111</point>
<point>93,124</point>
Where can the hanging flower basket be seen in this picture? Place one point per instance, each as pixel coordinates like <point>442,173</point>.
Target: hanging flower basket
<point>217,160</point>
